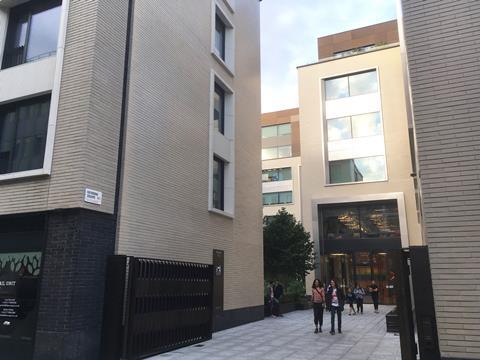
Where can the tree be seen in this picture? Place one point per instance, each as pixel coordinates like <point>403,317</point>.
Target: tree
<point>287,249</point>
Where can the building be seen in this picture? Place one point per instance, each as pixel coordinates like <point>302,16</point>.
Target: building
<point>126,127</point>
<point>358,196</point>
<point>281,163</point>
<point>441,40</point>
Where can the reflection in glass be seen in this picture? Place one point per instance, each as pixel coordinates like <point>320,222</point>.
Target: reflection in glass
<point>277,174</point>
<point>284,129</point>
<point>269,131</point>
<point>219,109</point>
<point>366,125</point>
<point>356,170</point>
<point>284,197</point>
<point>379,221</point>
<point>43,33</point>
<point>285,151</point>
<point>218,183</point>
<point>339,129</point>
<point>341,223</point>
<point>364,83</point>
<point>336,88</point>
<point>220,37</point>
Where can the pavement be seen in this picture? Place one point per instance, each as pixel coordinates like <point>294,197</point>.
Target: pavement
<point>291,337</point>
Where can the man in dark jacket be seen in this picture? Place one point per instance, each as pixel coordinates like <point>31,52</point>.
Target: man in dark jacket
<point>335,299</point>
<point>277,294</point>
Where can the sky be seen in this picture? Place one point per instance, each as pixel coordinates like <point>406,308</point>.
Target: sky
<point>289,32</point>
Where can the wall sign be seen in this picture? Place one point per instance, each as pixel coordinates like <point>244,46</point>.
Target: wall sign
<point>93,196</point>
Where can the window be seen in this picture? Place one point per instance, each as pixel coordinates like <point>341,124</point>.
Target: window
<point>284,197</point>
<point>220,37</point>
<point>276,130</point>
<point>23,132</point>
<point>356,170</point>
<point>377,220</point>
<point>352,85</point>
<point>218,183</point>
<point>276,152</point>
<point>32,32</point>
<point>277,174</point>
<point>354,126</point>
<point>219,109</point>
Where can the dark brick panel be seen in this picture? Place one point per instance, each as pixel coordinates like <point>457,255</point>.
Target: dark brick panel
<point>70,310</point>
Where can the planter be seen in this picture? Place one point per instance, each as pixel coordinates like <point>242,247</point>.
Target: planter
<point>393,321</point>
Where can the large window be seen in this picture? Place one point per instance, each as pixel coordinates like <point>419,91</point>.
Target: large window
<point>352,85</point>
<point>32,32</point>
<point>23,133</point>
<point>374,220</point>
<point>356,170</point>
<point>354,126</point>
<point>219,109</point>
<point>275,198</point>
<point>276,152</point>
<point>277,174</point>
<point>276,130</point>
<point>218,183</point>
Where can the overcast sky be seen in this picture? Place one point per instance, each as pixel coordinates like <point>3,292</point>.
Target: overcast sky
<point>290,29</point>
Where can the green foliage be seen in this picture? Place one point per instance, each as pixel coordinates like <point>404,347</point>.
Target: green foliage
<point>296,288</point>
<point>287,249</point>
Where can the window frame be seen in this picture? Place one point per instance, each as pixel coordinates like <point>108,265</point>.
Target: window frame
<point>16,105</point>
<point>221,167</point>
<point>277,193</point>
<point>220,91</point>
<point>227,60</point>
<point>28,9</point>
<point>347,76</point>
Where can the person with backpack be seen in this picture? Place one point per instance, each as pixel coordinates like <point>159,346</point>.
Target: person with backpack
<point>335,299</point>
<point>318,299</point>
<point>351,300</point>
<point>359,293</point>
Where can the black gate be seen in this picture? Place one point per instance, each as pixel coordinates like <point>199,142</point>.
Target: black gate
<point>153,306</point>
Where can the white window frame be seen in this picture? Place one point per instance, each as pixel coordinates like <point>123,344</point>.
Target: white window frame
<point>222,146</point>
<point>229,63</point>
<point>55,92</point>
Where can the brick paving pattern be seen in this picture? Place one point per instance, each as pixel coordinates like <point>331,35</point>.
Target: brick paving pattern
<point>291,337</point>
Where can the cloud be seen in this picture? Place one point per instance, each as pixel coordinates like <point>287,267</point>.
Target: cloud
<point>290,29</point>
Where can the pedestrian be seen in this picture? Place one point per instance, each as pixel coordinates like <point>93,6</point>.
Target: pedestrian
<point>373,289</point>
<point>271,298</point>
<point>327,307</point>
<point>359,293</point>
<point>277,295</point>
<point>350,299</point>
<point>318,300</point>
<point>335,299</point>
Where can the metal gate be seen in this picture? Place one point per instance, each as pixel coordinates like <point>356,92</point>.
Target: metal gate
<point>153,306</point>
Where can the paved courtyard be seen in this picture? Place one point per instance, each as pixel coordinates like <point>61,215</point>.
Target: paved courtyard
<point>363,337</point>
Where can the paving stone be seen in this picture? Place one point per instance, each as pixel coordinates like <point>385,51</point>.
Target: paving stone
<point>364,337</point>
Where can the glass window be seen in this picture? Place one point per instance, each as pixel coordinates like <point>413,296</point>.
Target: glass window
<point>364,83</point>
<point>23,133</point>
<point>285,151</point>
<point>218,183</point>
<point>339,129</point>
<point>366,125</point>
<point>275,198</point>
<point>284,129</point>
<point>357,170</point>
<point>379,221</point>
<point>269,131</point>
<point>269,153</point>
<point>220,37</point>
<point>277,174</point>
<point>32,32</point>
<point>219,109</point>
<point>336,88</point>
<point>341,223</point>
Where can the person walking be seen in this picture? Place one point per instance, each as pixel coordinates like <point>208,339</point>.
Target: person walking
<point>350,299</point>
<point>373,289</point>
<point>335,299</point>
<point>271,298</point>
<point>359,293</point>
<point>277,295</point>
<point>318,299</point>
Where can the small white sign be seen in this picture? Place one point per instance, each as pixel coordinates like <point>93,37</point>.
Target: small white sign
<point>93,196</point>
